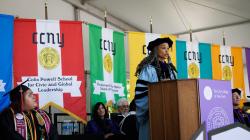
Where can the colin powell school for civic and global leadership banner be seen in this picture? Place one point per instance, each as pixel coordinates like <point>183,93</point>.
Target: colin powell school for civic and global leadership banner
<point>49,54</point>
<point>107,65</point>
<point>138,42</point>
<point>6,50</point>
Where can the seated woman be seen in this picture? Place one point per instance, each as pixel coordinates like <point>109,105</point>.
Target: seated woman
<point>100,127</point>
<point>21,121</point>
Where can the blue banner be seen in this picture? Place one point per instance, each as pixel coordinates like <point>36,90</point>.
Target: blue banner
<point>193,60</point>
<point>6,51</point>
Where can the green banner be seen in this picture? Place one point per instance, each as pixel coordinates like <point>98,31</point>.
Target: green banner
<point>107,65</point>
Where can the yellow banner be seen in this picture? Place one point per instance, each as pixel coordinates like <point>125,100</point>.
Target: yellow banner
<point>238,70</point>
<point>138,42</point>
<point>227,64</point>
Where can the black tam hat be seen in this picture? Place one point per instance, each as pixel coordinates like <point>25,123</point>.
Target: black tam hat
<point>159,41</point>
<point>16,96</point>
<point>247,104</point>
<point>236,90</point>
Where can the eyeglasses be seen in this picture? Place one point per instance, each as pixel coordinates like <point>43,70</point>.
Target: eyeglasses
<point>125,106</point>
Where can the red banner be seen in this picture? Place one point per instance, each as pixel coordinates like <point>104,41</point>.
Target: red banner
<point>49,54</point>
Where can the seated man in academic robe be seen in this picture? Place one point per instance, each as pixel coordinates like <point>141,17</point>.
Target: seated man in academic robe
<point>123,110</point>
<point>128,125</point>
<point>239,114</point>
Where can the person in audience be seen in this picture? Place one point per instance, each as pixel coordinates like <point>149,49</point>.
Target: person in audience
<point>246,107</point>
<point>239,114</point>
<point>152,68</point>
<point>123,106</point>
<point>246,110</point>
<point>22,120</point>
<point>123,109</point>
<point>128,124</point>
<point>101,127</point>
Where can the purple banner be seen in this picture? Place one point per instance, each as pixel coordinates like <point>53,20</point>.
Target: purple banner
<point>215,103</point>
<point>248,64</point>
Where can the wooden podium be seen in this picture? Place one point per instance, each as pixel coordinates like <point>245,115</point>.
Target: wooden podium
<point>174,112</point>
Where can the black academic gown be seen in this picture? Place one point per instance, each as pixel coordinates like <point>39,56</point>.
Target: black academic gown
<point>7,128</point>
<point>129,128</point>
<point>117,118</point>
<point>240,116</point>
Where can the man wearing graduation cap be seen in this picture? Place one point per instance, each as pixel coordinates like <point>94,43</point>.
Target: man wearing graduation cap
<point>21,121</point>
<point>239,114</point>
<point>152,68</point>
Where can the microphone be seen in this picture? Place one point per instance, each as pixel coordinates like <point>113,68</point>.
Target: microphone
<point>171,64</point>
<point>173,67</point>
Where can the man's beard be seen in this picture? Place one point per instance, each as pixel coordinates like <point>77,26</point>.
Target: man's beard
<point>125,113</point>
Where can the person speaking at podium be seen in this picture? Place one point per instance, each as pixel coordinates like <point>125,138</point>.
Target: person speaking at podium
<point>152,68</point>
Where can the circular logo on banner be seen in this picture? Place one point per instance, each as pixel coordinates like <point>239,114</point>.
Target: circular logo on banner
<point>108,66</point>
<point>208,93</point>
<point>193,70</point>
<point>19,116</point>
<point>217,118</point>
<point>49,58</point>
<point>227,74</point>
